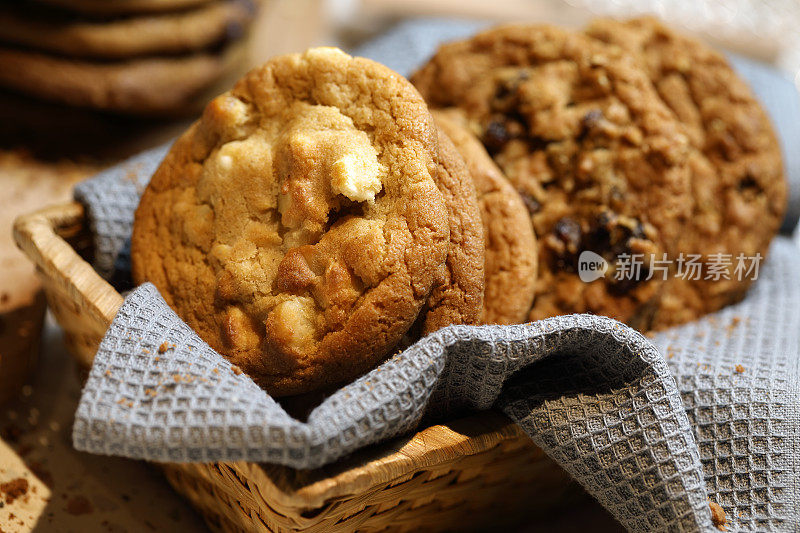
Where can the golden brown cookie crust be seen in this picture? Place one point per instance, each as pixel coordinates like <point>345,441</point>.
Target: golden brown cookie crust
<point>171,33</point>
<point>459,297</point>
<point>580,132</point>
<point>296,226</point>
<point>510,244</point>
<point>738,185</point>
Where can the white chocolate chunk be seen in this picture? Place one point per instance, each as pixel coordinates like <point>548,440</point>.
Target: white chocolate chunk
<point>357,175</point>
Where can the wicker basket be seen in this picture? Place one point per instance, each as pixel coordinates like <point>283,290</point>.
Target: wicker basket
<point>475,472</point>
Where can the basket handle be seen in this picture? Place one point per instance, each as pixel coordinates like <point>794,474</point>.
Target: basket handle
<point>39,236</point>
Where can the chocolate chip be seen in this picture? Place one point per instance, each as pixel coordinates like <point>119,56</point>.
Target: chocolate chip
<point>611,237</point>
<point>502,92</point>
<point>530,202</point>
<point>638,231</point>
<point>605,218</point>
<point>495,136</point>
<point>568,231</point>
<point>592,118</point>
<point>749,187</point>
<point>506,92</point>
<point>589,122</point>
<point>748,182</point>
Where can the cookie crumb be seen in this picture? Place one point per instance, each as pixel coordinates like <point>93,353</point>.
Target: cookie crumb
<point>163,348</point>
<point>718,516</point>
<point>78,505</point>
<point>16,488</point>
<point>236,370</point>
<point>739,369</point>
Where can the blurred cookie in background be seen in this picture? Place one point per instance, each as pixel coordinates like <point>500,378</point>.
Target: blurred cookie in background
<point>738,188</point>
<point>22,24</point>
<point>166,86</point>
<point>117,80</point>
<point>121,7</point>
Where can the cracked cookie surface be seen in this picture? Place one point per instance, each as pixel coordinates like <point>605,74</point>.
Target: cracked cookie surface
<point>510,245</point>
<point>458,299</point>
<point>738,186</point>
<point>600,161</point>
<point>297,226</point>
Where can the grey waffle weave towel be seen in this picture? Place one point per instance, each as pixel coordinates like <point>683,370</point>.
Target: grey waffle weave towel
<point>653,429</point>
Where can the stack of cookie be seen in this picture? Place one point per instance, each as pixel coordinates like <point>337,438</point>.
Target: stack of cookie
<point>633,147</point>
<point>132,56</point>
<point>320,216</point>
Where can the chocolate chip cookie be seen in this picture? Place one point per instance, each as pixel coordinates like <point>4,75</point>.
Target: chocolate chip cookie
<point>601,162</point>
<point>459,297</point>
<point>738,187</point>
<point>510,243</point>
<point>297,226</point>
<point>171,33</point>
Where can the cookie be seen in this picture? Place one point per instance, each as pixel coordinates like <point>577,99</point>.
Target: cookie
<point>171,33</point>
<point>156,86</point>
<point>601,162</point>
<point>459,297</point>
<point>738,186</point>
<point>121,7</point>
<point>510,245</point>
<point>296,227</point>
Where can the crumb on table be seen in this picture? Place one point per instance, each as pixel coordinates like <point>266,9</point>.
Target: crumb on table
<point>16,488</point>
